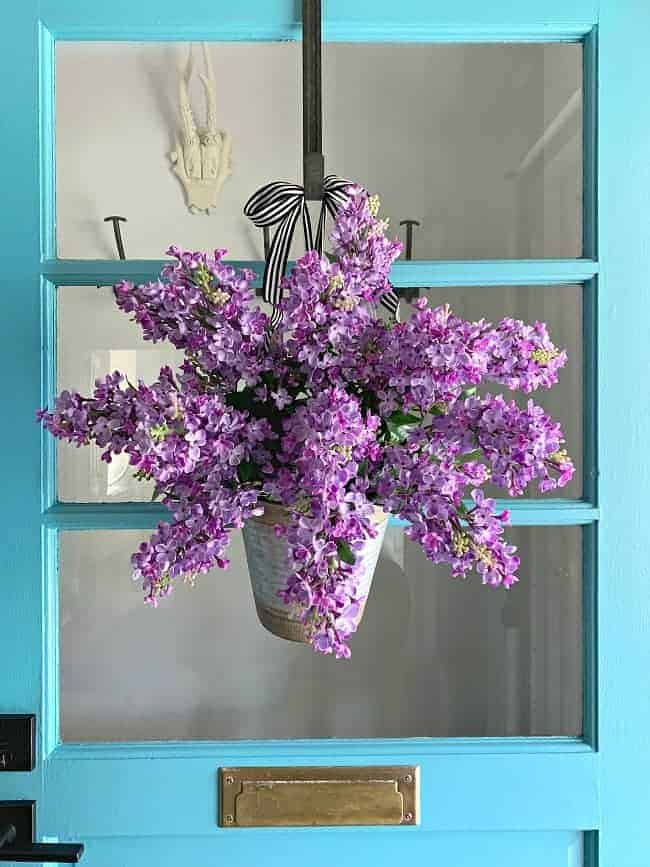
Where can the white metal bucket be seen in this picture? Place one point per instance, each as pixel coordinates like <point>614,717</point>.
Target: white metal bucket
<point>268,566</point>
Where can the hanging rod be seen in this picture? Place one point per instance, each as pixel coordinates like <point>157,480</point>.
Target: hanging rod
<point>312,109</point>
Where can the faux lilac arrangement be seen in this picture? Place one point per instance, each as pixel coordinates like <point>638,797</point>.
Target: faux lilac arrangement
<point>330,414</point>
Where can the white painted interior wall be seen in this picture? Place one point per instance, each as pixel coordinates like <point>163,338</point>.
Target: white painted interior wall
<point>440,132</point>
<point>432,657</point>
<point>437,130</point>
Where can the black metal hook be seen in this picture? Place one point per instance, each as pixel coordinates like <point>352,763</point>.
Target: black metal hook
<point>408,253</point>
<point>118,233</point>
<point>412,293</point>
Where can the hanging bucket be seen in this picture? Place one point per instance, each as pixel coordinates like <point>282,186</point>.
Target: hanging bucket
<point>268,566</point>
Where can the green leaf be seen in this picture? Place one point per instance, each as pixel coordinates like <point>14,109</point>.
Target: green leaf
<point>345,553</point>
<point>247,472</point>
<point>399,417</point>
<point>399,425</point>
<point>469,392</point>
<point>475,455</point>
<point>398,433</point>
<point>242,400</point>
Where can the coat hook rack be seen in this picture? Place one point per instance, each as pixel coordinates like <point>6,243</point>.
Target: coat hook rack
<point>118,233</point>
<point>412,293</point>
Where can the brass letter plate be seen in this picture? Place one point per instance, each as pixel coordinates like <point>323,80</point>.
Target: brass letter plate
<point>299,797</point>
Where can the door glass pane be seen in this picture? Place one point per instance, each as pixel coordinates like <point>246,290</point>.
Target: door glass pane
<point>432,657</point>
<point>482,144</point>
<point>94,339</point>
<point>560,307</point>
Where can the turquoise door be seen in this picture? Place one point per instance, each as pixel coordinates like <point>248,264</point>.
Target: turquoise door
<point>544,762</point>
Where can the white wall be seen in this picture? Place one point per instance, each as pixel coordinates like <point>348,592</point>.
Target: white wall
<point>432,657</point>
<point>436,130</point>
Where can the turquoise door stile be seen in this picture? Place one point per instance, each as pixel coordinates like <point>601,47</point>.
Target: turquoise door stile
<point>538,801</point>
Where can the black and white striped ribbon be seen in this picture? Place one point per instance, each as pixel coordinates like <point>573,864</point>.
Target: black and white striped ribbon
<point>283,204</point>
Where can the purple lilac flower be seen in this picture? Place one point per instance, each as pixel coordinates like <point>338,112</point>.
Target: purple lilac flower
<point>339,414</point>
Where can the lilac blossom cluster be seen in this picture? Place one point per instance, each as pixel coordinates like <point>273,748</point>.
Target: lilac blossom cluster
<point>338,414</point>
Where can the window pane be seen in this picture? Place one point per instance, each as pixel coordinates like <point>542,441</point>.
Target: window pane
<point>94,339</point>
<point>482,144</point>
<point>113,153</point>
<point>560,307</point>
<point>433,656</point>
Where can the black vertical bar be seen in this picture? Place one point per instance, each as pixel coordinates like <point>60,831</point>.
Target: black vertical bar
<point>312,109</point>
<point>411,293</point>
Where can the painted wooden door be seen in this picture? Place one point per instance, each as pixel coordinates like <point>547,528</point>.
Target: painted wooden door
<point>538,800</point>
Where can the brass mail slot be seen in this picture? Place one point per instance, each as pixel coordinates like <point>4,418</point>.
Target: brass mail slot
<point>299,797</point>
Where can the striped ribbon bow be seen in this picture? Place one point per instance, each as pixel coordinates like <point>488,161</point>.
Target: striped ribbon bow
<point>283,203</point>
